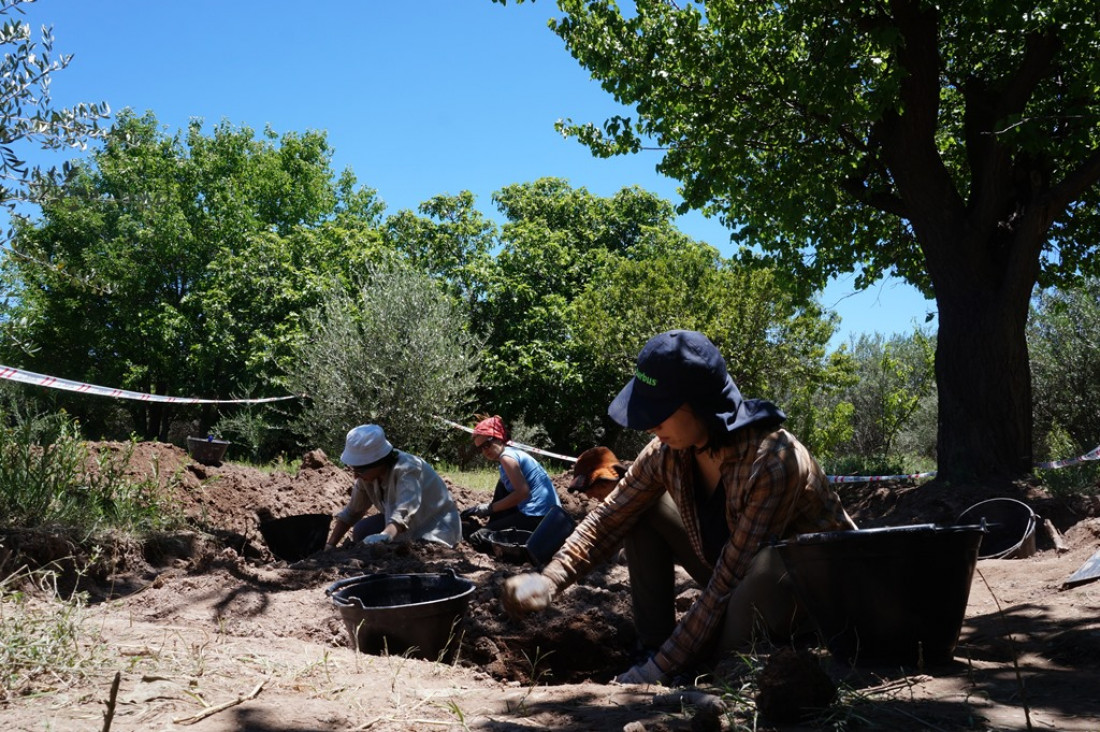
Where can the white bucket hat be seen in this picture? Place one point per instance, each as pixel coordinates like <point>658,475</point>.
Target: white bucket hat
<point>365,444</point>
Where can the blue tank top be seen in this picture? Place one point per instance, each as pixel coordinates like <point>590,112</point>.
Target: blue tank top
<point>543,496</point>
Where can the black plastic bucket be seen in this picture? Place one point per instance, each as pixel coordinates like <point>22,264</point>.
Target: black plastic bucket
<point>207,450</point>
<point>510,545</point>
<point>296,537</point>
<point>891,595</point>
<point>550,534</point>
<point>402,614</point>
<point>1010,526</point>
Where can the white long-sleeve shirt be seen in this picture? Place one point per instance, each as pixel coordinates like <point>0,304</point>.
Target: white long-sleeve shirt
<point>412,496</point>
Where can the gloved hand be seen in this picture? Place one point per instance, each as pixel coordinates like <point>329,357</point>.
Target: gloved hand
<point>380,538</point>
<point>644,673</point>
<point>526,593</point>
<point>481,509</point>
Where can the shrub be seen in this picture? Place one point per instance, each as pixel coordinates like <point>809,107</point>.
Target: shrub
<point>395,353</point>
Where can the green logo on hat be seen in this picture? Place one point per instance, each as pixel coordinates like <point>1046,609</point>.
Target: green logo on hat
<point>644,378</point>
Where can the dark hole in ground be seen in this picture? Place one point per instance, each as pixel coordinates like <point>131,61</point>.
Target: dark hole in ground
<point>571,648</point>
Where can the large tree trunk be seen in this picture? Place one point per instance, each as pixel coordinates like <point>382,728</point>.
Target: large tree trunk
<point>984,380</point>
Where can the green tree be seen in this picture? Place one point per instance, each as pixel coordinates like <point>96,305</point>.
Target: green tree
<point>182,265</point>
<point>556,240</point>
<point>775,348</point>
<point>894,377</point>
<point>27,115</point>
<point>955,146</point>
<point>396,352</point>
<point>1064,340</point>
<point>451,240</point>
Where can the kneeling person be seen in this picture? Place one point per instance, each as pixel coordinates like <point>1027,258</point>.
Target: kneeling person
<point>411,500</point>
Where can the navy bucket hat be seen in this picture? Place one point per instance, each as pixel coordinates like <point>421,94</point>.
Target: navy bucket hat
<point>680,367</point>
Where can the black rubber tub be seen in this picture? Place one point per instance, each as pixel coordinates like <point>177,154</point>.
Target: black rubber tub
<point>889,595</point>
<point>207,450</point>
<point>510,545</point>
<point>550,534</point>
<point>402,614</point>
<point>296,537</point>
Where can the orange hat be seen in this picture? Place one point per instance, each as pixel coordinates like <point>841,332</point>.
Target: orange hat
<point>491,427</point>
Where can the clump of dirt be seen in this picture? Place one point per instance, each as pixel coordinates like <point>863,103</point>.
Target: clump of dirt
<point>793,687</point>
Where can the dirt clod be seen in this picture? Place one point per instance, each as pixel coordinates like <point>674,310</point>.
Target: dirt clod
<point>793,687</point>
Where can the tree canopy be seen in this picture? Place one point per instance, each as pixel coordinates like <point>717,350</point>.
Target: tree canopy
<point>203,250</point>
<point>27,113</point>
<point>955,146</point>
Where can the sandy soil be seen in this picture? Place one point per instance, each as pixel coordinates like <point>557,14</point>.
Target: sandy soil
<point>207,629</point>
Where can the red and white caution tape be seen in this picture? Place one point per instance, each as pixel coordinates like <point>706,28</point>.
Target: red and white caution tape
<point>520,445</point>
<point>1094,454</point>
<point>52,382</point>
<point>874,478</point>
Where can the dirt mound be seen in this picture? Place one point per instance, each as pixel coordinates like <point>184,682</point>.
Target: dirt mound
<point>217,607</point>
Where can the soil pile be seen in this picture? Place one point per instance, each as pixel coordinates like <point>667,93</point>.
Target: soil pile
<point>204,617</point>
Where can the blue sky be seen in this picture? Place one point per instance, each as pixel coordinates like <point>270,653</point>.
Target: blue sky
<point>417,98</point>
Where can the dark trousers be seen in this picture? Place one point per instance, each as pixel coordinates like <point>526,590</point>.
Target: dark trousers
<point>763,604</point>
<point>511,518</point>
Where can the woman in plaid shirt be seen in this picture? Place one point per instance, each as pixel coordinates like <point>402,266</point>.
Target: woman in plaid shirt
<point>720,482</point>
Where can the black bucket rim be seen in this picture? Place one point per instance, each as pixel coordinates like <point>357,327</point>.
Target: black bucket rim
<point>849,535</point>
<point>501,536</point>
<point>382,576</point>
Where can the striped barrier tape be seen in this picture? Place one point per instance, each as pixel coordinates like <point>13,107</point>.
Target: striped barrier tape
<point>874,478</point>
<point>520,445</point>
<point>29,377</point>
<point>1094,454</point>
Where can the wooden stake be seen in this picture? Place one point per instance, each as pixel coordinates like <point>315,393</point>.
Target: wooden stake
<point>1060,545</point>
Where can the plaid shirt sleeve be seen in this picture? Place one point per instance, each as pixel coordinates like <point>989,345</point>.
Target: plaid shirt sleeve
<point>605,526</point>
<point>773,487</point>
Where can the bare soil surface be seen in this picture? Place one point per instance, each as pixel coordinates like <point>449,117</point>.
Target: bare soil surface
<point>206,628</point>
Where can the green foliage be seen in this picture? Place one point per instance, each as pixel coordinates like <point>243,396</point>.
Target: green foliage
<point>775,348</point>
<point>27,114</point>
<point>48,476</point>
<point>197,250</point>
<point>1077,479</point>
<point>894,382</point>
<point>451,241</point>
<point>557,240</point>
<point>41,645</point>
<point>1064,343</point>
<point>395,354</point>
<point>783,119</point>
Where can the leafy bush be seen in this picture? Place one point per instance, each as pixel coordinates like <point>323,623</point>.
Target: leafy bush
<point>1064,346</point>
<point>396,353</point>
<point>893,398</point>
<point>48,476</point>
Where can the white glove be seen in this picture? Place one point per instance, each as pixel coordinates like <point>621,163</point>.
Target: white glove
<point>380,538</point>
<point>527,593</point>
<point>481,509</point>
<point>644,673</point>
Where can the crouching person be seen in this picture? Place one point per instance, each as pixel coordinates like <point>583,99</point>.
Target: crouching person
<point>411,500</point>
<point>718,483</point>
<point>524,495</point>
